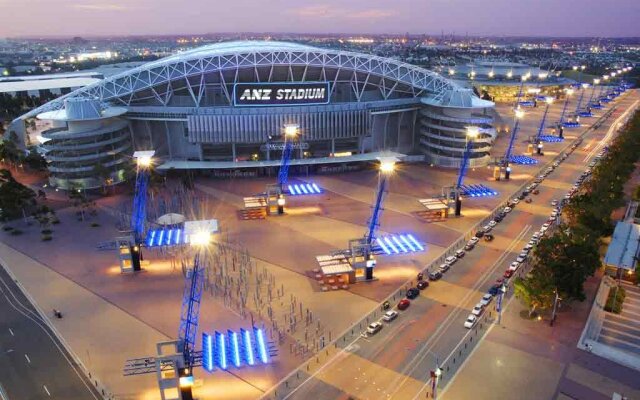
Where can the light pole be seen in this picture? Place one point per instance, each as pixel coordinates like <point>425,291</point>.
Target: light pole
<point>501,292</point>
<point>507,159</point>
<point>549,101</point>
<point>555,307</point>
<point>471,134</point>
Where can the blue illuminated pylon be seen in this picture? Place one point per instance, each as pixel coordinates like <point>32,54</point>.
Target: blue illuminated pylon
<point>190,311</point>
<point>542,122</point>
<point>139,212</point>
<point>377,206</point>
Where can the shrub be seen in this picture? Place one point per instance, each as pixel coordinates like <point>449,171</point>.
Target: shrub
<point>7,228</point>
<point>615,300</point>
<point>46,231</point>
<point>55,221</point>
<point>95,224</point>
<point>46,238</point>
<point>16,232</point>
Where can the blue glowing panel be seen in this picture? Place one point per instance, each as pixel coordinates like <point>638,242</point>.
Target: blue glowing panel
<point>415,242</point>
<point>234,348</point>
<point>477,191</point>
<point>261,345</point>
<point>550,139</point>
<point>388,242</point>
<point>207,352</point>
<point>383,246</point>
<point>247,347</point>
<point>571,124</point>
<point>523,160</point>
<point>221,351</point>
<point>399,244</point>
<point>304,189</point>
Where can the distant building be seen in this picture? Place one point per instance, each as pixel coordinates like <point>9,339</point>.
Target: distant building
<point>501,81</point>
<point>52,84</point>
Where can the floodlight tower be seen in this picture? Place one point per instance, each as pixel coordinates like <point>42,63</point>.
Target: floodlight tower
<point>472,134</point>
<point>363,246</point>
<point>291,132</point>
<point>568,93</point>
<point>579,104</point>
<point>549,101</point>
<point>596,82</point>
<point>523,79</point>
<point>507,155</point>
<point>139,213</point>
<point>190,314</point>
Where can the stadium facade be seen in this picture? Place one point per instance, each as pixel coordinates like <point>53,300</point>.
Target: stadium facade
<point>223,107</point>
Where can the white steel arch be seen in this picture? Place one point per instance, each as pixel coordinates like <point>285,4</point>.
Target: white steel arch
<point>120,89</point>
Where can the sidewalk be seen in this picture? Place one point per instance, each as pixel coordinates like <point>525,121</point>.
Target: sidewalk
<point>538,361</point>
<point>108,331</point>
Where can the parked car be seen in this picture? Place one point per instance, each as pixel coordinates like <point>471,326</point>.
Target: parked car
<point>499,217</point>
<point>460,253</point>
<point>390,315</point>
<point>507,209</point>
<point>486,299</point>
<point>444,268</point>
<point>413,293</point>
<point>451,260</point>
<point>508,273</point>
<point>471,321</point>
<point>492,223</point>
<point>374,328</point>
<point>478,309</point>
<point>514,266</point>
<point>469,246</point>
<point>480,233</point>
<point>404,304</point>
<point>488,237</point>
<point>422,285</point>
<point>420,276</point>
<point>474,239</point>
<point>435,275</point>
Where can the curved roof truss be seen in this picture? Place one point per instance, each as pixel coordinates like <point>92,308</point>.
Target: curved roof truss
<point>120,89</point>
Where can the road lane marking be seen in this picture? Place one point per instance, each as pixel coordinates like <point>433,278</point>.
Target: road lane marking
<point>46,390</point>
<point>28,359</point>
<point>11,332</point>
<point>427,347</point>
<point>38,321</point>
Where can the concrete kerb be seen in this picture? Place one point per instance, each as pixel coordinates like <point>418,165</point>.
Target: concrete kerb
<point>100,388</point>
<point>283,387</point>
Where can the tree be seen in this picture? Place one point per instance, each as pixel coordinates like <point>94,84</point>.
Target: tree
<point>571,258</point>
<point>35,160</point>
<point>14,196</point>
<point>536,290</point>
<point>9,150</point>
<point>102,173</point>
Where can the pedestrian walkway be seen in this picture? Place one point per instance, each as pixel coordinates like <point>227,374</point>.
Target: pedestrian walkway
<point>622,331</point>
<point>538,361</point>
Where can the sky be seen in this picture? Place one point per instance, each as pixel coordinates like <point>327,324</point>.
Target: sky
<point>64,18</point>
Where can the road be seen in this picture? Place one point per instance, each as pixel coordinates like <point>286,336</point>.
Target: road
<point>395,363</point>
<point>33,362</point>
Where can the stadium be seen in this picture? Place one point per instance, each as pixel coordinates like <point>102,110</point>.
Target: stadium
<point>222,108</point>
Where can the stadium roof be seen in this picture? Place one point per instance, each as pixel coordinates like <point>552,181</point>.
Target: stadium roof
<point>45,84</point>
<point>120,88</point>
<point>624,246</point>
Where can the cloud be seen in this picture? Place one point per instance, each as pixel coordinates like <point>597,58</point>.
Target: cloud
<point>101,7</point>
<point>325,11</point>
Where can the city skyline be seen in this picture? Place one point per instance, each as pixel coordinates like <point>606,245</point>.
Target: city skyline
<point>572,18</point>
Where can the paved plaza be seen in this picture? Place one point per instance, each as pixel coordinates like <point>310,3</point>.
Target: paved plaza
<point>113,317</point>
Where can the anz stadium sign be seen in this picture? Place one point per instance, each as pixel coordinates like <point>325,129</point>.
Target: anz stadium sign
<point>280,94</point>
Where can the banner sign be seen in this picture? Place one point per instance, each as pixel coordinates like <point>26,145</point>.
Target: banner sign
<point>280,94</point>
<point>280,146</point>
